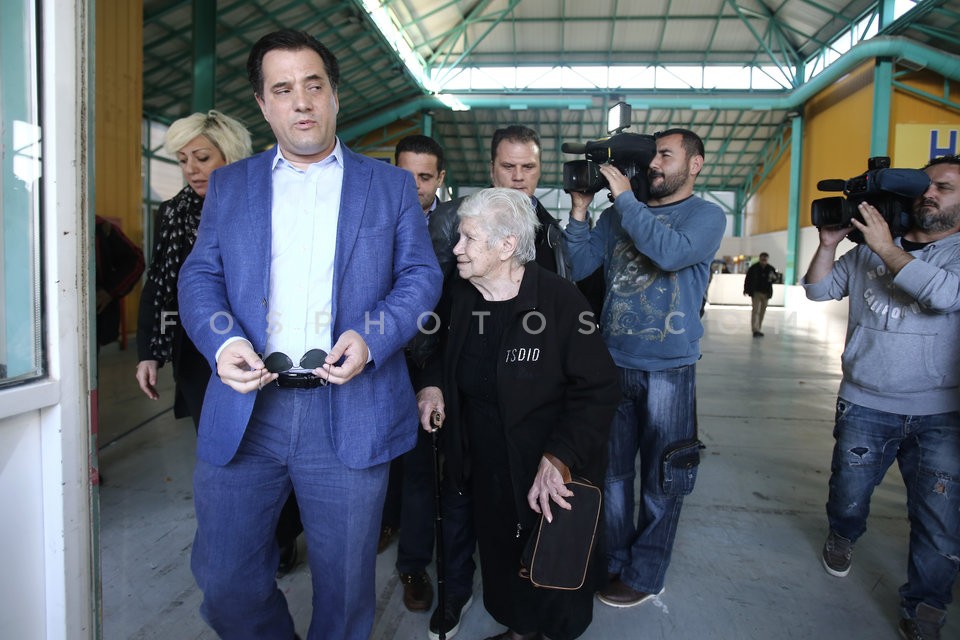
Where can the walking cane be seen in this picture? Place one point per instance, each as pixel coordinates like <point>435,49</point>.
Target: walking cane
<point>437,421</point>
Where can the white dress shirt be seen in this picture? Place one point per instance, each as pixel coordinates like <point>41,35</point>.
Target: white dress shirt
<point>305,211</point>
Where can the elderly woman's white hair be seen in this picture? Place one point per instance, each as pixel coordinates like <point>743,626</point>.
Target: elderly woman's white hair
<point>503,213</point>
<point>226,134</point>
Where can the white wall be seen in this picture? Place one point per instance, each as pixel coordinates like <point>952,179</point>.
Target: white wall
<point>776,245</point>
<point>820,317</point>
<point>45,493</point>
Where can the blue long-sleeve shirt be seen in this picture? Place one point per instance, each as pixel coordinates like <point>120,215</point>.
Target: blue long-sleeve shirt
<point>656,264</point>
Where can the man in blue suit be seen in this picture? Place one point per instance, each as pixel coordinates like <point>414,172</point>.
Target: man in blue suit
<point>303,247</point>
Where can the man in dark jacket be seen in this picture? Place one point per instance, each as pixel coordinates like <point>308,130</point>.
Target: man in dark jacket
<point>408,508</point>
<point>759,286</point>
<point>515,164</point>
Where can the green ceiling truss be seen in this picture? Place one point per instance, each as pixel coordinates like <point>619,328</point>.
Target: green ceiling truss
<point>745,130</point>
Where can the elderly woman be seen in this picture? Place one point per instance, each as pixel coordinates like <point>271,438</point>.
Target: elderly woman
<point>202,142</point>
<point>527,390</point>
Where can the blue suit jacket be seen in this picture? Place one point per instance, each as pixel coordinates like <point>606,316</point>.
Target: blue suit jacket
<point>385,276</point>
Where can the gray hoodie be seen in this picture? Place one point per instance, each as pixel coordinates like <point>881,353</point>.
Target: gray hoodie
<point>902,351</point>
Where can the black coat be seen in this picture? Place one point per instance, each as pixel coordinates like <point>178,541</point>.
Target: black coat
<point>191,372</point>
<point>760,279</point>
<point>557,387</point>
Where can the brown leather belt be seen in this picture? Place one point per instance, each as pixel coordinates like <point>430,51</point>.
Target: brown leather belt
<point>300,381</point>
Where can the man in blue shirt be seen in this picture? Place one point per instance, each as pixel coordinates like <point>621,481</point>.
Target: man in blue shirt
<point>656,261</point>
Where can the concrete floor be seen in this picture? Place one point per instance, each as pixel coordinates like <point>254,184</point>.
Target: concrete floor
<point>746,561</point>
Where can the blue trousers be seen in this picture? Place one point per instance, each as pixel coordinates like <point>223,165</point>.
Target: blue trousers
<point>235,553</point>
<point>657,410</point>
<point>927,449</point>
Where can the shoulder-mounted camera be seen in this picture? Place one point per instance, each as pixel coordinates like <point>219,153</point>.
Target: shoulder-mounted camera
<point>631,153</point>
<point>890,191</point>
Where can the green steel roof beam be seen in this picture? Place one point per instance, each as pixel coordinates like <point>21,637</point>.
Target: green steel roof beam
<point>162,9</point>
<point>793,207</point>
<point>943,100</point>
<point>204,54</point>
<point>448,68</point>
<point>738,158</point>
<point>663,30</point>
<point>784,66</point>
<point>919,55</point>
<point>770,154</point>
<point>918,11</point>
<point>445,50</point>
<point>830,11</point>
<point>381,37</point>
<point>882,90</point>
<point>942,34</point>
<point>448,39</point>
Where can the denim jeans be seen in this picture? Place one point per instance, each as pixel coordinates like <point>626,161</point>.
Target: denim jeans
<point>235,552</point>
<point>927,449</point>
<point>656,411</point>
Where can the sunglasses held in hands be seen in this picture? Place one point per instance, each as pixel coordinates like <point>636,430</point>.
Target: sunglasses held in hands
<point>279,362</point>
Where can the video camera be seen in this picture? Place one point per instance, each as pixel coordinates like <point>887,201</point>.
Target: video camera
<point>631,153</point>
<point>890,191</point>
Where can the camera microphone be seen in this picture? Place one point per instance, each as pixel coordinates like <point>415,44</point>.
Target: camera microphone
<point>832,185</point>
<point>573,147</point>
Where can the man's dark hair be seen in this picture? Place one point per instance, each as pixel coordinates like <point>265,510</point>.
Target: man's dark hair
<point>419,144</point>
<point>692,144</point>
<point>954,159</point>
<point>764,255</point>
<point>289,40</point>
<point>514,133</point>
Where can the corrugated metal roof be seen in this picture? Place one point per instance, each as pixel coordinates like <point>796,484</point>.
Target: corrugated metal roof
<point>451,35</point>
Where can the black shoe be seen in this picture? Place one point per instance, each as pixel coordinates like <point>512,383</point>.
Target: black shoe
<point>925,625</point>
<point>289,558</point>
<point>758,334</point>
<point>454,608</point>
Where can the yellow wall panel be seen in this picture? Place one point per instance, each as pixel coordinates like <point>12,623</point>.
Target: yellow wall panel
<point>836,145</point>
<point>837,133</point>
<point>836,141</point>
<point>118,108</point>
<point>767,210</point>
<point>910,109</point>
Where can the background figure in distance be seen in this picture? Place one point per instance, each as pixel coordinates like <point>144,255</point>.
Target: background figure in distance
<point>306,247</point>
<point>409,505</point>
<point>758,284</point>
<point>119,264</point>
<point>656,260</point>
<point>900,392</point>
<point>527,390</point>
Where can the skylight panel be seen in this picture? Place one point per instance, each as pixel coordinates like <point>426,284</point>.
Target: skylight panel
<point>726,77</point>
<point>679,77</point>
<point>630,77</point>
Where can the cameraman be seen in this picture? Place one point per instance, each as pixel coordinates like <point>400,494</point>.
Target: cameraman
<point>656,261</point>
<point>899,395</point>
